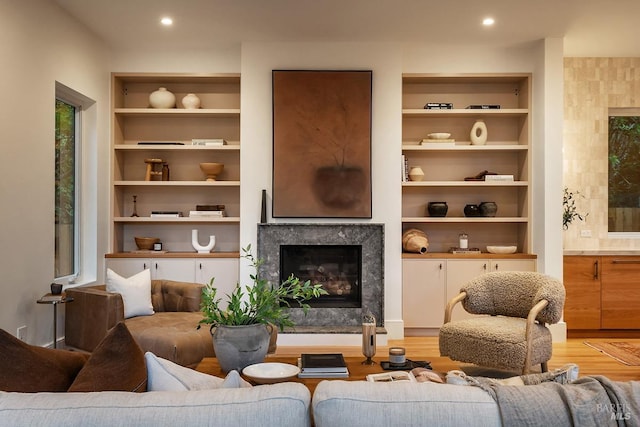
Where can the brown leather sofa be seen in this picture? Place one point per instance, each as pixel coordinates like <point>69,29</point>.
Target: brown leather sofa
<point>171,333</point>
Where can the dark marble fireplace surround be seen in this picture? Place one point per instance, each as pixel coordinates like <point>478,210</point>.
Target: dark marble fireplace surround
<point>329,319</point>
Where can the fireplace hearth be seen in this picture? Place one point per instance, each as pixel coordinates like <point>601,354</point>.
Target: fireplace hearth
<point>348,259</point>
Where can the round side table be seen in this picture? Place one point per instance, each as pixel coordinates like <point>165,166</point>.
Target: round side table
<point>55,300</point>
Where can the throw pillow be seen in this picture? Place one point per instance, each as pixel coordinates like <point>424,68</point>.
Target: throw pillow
<point>135,291</point>
<point>234,380</point>
<point>164,375</point>
<point>30,369</point>
<point>116,364</point>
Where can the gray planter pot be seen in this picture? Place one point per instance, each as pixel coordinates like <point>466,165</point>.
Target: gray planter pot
<point>239,346</point>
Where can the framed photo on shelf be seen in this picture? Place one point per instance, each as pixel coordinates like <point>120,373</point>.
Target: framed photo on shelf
<point>321,144</point>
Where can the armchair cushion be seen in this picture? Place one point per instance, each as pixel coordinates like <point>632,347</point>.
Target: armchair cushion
<point>135,291</point>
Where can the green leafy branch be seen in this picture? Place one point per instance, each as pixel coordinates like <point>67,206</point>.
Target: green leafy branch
<point>257,303</point>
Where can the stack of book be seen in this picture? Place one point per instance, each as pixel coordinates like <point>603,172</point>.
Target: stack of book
<point>468,251</point>
<point>496,177</point>
<point>438,106</point>
<point>208,211</point>
<point>166,214</point>
<point>208,141</point>
<point>324,365</point>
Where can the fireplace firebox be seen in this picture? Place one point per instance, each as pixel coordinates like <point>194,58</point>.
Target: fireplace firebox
<point>337,268</point>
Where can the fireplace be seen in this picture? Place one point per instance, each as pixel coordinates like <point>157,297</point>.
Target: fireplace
<point>353,253</point>
<point>337,268</point>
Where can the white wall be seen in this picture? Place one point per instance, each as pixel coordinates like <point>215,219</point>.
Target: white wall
<point>41,45</point>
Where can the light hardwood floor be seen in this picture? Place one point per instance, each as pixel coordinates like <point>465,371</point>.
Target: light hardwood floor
<point>590,361</point>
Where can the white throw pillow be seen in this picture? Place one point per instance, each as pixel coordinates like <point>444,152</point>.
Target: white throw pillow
<point>135,291</point>
<point>234,380</point>
<point>164,375</point>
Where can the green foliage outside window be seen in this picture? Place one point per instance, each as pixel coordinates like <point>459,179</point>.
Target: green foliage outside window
<point>65,188</point>
<point>624,161</point>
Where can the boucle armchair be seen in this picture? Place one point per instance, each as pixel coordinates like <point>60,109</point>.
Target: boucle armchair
<point>512,335</point>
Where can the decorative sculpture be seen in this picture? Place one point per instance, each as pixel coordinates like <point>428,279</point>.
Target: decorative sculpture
<point>198,247</point>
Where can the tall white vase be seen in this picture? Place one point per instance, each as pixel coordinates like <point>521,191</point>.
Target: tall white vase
<point>478,133</point>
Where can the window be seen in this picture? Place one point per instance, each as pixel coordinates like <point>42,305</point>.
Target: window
<point>66,186</point>
<point>624,171</point>
<point>76,186</point>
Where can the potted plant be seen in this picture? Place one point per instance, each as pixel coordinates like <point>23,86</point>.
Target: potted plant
<point>242,330</point>
<point>569,209</point>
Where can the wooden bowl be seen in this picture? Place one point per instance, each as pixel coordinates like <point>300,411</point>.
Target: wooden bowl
<point>146,243</point>
<point>211,170</point>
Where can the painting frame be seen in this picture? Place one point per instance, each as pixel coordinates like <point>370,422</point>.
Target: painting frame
<point>322,122</point>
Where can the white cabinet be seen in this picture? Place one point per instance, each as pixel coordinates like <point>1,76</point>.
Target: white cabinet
<point>197,270</point>
<point>423,298</point>
<point>429,283</point>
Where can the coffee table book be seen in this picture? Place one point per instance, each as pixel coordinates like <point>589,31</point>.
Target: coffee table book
<point>323,365</point>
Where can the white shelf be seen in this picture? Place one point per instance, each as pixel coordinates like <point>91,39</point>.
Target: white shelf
<point>465,184</point>
<point>145,219</point>
<point>467,220</point>
<point>499,112</point>
<point>180,112</point>
<point>466,146</point>
<point>176,183</point>
<point>186,147</point>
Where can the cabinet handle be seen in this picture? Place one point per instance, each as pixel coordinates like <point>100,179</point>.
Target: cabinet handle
<point>497,267</point>
<point>156,265</point>
<point>626,261</point>
<point>200,266</point>
<point>440,266</point>
<point>144,265</point>
<point>484,267</point>
<point>596,273</point>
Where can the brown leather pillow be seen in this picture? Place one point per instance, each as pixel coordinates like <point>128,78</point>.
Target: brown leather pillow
<point>29,368</point>
<point>116,364</point>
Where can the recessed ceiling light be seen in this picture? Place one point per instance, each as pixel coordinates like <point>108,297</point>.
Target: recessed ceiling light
<point>166,21</point>
<point>487,22</point>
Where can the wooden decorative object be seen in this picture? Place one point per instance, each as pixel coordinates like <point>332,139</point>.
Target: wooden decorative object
<point>151,168</point>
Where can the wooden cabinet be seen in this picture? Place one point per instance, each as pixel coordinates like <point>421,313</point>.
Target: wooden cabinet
<point>582,284</point>
<point>603,292</point>
<point>445,167</point>
<point>167,134</point>
<point>620,292</point>
<point>429,282</point>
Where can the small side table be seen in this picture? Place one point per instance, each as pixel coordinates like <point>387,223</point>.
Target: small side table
<point>55,300</point>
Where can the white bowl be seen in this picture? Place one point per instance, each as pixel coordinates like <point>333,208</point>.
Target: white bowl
<point>269,373</point>
<point>439,135</point>
<point>502,249</point>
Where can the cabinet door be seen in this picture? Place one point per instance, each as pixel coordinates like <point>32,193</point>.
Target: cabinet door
<point>512,265</point>
<point>620,292</point>
<point>423,293</point>
<point>459,272</point>
<point>127,267</point>
<point>181,270</point>
<point>224,270</point>
<point>582,283</point>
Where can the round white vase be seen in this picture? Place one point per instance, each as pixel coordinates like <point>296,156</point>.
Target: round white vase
<point>416,174</point>
<point>162,98</point>
<point>191,101</point>
<point>478,133</point>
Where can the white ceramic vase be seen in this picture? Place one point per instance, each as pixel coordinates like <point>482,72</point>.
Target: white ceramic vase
<point>162,98</point>
<point>202,249</point>
<point>416,174</point>
<point>478,133</point>
<point>191,101</point>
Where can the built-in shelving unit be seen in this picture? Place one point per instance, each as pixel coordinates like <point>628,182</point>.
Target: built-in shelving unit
<point>506,152</point>
<point>133,121</point>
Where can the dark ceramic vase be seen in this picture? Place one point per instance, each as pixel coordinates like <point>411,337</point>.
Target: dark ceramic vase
<point>437,209</point>
<point>488,209</point>
<point>471,210</point>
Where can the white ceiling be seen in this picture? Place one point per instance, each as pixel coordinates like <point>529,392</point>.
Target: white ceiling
<point>589,27</point>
